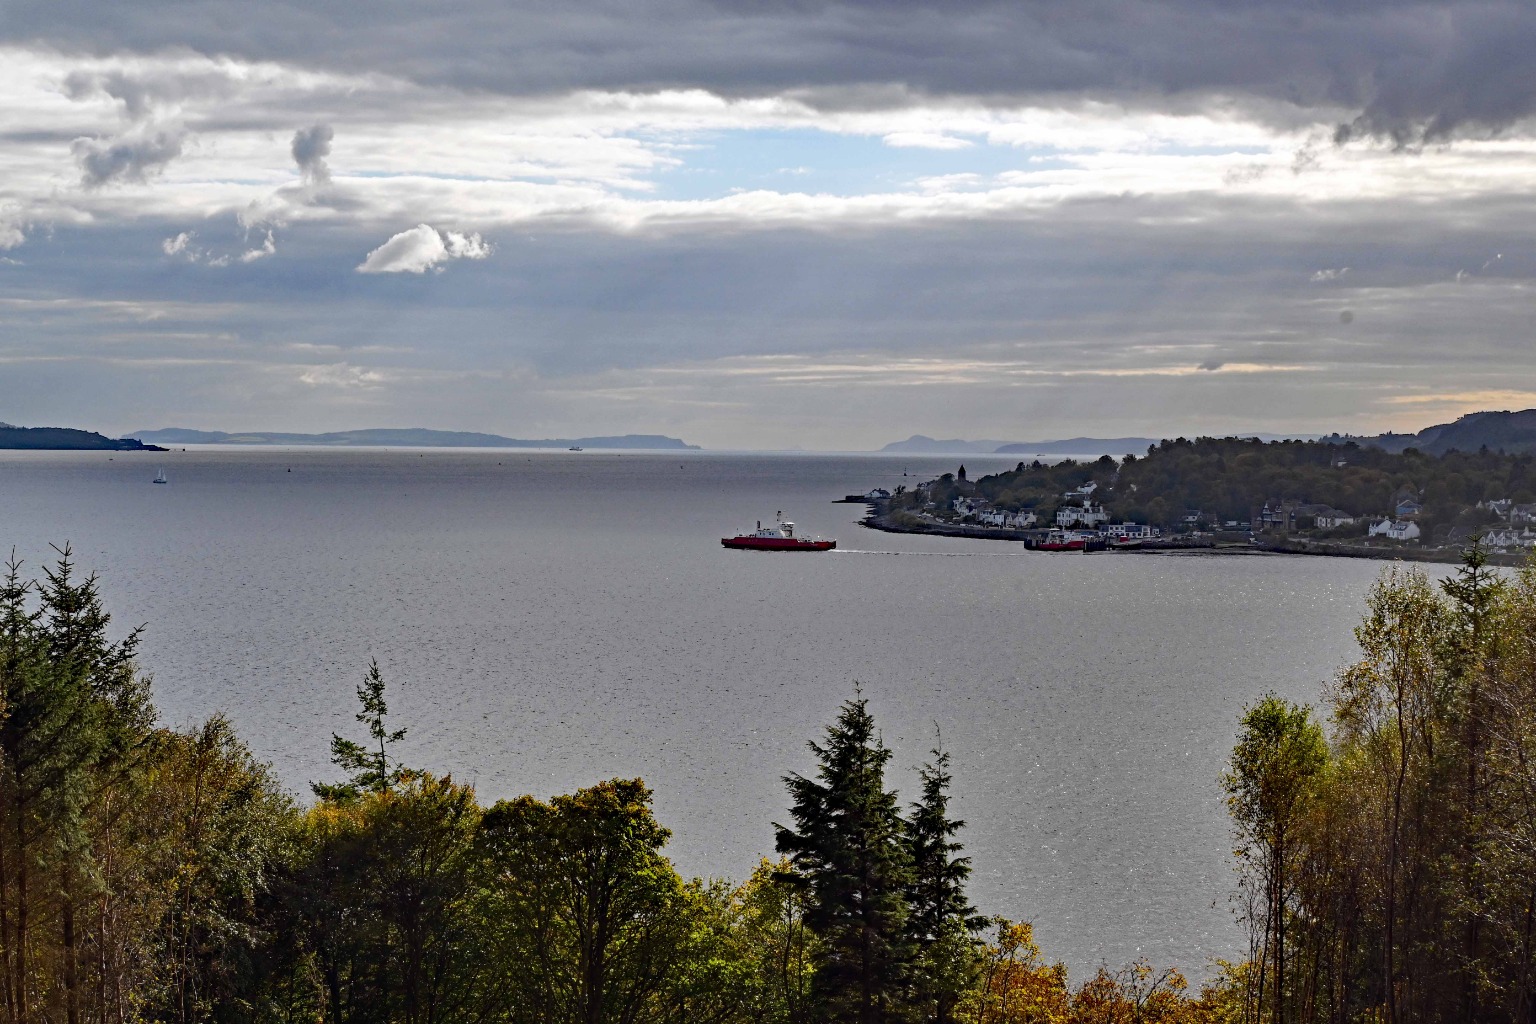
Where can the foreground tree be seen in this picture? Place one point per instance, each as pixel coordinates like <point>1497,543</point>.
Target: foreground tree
<point>591,921</point>
<point>849,856</point>
<point>1398,880</point>
<point>368,765</point>
<point>941,923</point>
<point>1271,780</point>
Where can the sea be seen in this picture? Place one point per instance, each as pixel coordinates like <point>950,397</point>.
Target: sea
<point>548,619</point>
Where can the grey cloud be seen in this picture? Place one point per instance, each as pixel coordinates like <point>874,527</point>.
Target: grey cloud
<point>1082,288</point>
<point>143,91</point>
<point>1212,365</point>
<point>133,93</point>
<point>310,148</point>
<point>126,158</point>
<point>1404,70</point>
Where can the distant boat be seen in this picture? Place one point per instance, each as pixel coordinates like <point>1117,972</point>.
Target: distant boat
<point>160,478</point>
<point>575,448</point>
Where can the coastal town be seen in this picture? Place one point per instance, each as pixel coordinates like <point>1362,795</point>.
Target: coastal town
<point>1107,505</point>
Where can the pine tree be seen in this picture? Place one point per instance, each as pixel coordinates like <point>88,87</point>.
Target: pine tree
<point>369,768</point>
<point>848,855</point>
<point>76,716</point>
<point>941,922</point>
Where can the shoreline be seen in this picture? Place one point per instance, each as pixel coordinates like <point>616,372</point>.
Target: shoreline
<point>878,519</point>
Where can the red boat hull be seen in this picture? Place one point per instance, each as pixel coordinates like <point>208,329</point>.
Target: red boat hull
<point>1071,545</point>
<point>777,544</point>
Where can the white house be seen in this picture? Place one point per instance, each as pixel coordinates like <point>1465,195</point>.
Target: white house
<point>1082,493</point>
<point>1023,519</point>
<point>1332,518</point>
<point>993,517</point>
<point>1510,539</point>
<point>1126,531</point>
<point>1087,514</point>
<point>1395,529</point>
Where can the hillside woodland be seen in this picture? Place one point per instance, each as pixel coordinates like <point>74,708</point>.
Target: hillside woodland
<point>1229,480</point>
<point>1388,862</point>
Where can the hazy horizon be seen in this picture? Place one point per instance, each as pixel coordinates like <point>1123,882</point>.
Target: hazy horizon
<point>748,447</point>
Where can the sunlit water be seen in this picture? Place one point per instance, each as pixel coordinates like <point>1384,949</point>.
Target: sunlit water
<point>548,619</point>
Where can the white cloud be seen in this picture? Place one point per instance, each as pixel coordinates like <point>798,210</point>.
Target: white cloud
<point>342,375</point>
<point>423,248</point>
<point>184,245</point>
<point>925,140</point>
<point>262,251</point>
<point>951,182</point>
<point>1329,274</point>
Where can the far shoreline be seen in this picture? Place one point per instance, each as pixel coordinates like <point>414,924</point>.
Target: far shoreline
<point>878,519</point>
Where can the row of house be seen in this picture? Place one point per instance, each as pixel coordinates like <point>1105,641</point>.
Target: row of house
<point>982,511</point>
<point>1511,538</point>
<point>1512,513</point>
<point>1285,516</point>
<point>1088,516</point>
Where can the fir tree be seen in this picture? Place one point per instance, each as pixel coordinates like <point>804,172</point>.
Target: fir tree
<point>941,921</point>
<point>849,857</point>
<point>75,715</point>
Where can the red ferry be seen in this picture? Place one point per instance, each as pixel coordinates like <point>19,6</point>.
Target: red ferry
<point>1062,540</point>
<point>778,537</point>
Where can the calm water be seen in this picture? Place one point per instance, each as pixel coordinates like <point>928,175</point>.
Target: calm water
<point>549,619</point>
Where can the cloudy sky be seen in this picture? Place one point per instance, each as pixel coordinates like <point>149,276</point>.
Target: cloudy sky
<point>780,223</point>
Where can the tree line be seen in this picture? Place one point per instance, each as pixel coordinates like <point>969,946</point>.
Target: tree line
<point>1389,861</point>
<point>157,874</point>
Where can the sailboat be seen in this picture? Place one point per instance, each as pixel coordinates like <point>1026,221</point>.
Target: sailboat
<point>160,478</point>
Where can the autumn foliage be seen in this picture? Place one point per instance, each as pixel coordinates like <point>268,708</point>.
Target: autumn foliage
<point>1388,863</point>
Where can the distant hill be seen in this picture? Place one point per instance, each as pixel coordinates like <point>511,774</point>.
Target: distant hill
<point>1116,446</point>
<point>918,444</point>
<point>408,437</point>
<point>1511,432</point>
<point>68,439</point>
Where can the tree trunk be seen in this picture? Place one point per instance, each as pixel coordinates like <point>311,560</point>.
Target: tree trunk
<point>1393,856</point>
<point>5,938</point>
<point>71,993</point>
<point>22,995</point>
<point>1277,910</point>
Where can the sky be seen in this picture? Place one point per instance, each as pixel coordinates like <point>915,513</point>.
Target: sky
<point>785,223</point>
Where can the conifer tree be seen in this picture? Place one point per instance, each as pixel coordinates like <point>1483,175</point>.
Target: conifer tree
<point>941,922</point>
<point>369,768</point>
<point>848,854</point>
<point>76,714</point>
